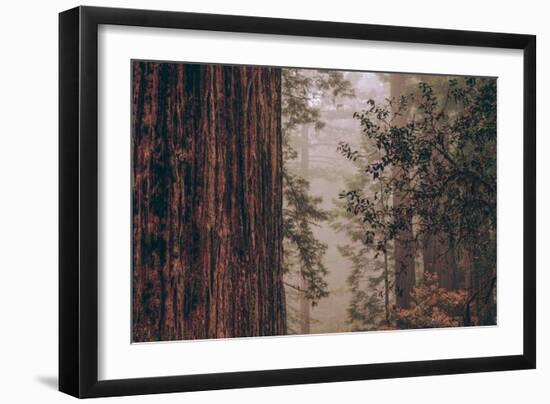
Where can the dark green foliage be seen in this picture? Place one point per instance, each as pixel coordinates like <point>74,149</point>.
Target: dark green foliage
<point>300,213</point>
<point>366,309</point>
<point>446,145</point>
<point>370,281</point>
<point>301,92</point>
<point>451,160</point>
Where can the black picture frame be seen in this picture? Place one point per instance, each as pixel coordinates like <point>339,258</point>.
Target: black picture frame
<point>78,201</point>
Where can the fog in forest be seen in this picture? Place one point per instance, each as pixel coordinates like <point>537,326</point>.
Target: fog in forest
<point>319,162</point>
<point>334,280</point>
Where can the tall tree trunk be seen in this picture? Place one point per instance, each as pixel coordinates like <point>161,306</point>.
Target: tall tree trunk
<point>383,205</point>
<point>305,316</point>
<point>438,252</point>
<point>467,265</point>
<point>484,276</point>
<point>480,279</point>
<point>207,202</point>
<point>305,309</point>
<point>386,286</point>
<point>439,246</point>
<point>404,251</point>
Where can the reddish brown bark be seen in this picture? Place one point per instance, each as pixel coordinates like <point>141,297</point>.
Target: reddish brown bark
<point>439,258</point>
<point>207,202</point>
<point>467,264</point>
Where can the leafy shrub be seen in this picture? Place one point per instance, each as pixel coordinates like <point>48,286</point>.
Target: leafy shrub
<point>433,306</point>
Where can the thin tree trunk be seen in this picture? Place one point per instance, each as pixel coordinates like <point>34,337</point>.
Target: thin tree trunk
<point>386,286</point>
<point>305,309</point>
<point>383,205</point>
<point>404,249</point>
<point>206,202</point>
<point>305,317</point>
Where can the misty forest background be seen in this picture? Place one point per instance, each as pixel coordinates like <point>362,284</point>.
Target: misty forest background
<point>396,216</point>
<point>294,201</point>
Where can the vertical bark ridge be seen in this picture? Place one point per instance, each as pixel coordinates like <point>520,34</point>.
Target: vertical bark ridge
<point>207,202</point>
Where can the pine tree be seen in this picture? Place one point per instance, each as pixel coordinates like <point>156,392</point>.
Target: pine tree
<point>304,265</point>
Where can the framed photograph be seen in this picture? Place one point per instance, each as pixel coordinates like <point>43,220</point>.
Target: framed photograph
<point>251,201</point>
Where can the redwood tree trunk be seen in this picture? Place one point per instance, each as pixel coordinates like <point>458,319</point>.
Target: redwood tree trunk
<point>438,255</point>
<point>207,202</point>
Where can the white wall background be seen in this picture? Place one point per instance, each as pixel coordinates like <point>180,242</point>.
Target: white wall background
<point>28,200</point>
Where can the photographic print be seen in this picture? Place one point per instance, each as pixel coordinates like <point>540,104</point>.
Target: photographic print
<point>270,201</point>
